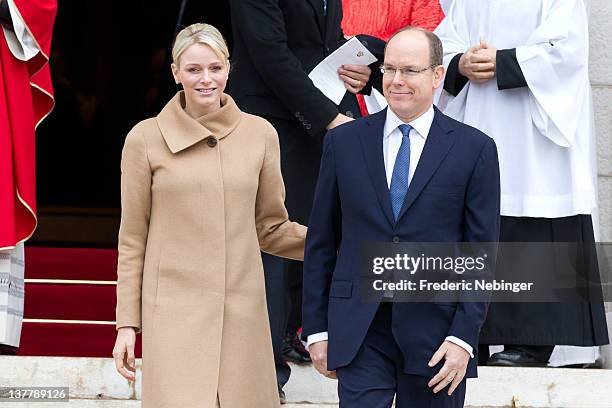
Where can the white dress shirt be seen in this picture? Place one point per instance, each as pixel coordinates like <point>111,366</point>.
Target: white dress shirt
<point>392,139</point>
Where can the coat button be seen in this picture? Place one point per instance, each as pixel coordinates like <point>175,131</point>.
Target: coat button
<point>350,114</point>
<point>211,141</point>
<point>395,240</point>
<point>308,126</point>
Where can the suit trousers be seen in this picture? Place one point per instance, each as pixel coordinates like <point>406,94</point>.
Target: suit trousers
<point>376,375</point>
<point>278,302</point>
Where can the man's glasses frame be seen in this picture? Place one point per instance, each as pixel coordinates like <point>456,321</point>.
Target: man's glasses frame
<point>405,71</point>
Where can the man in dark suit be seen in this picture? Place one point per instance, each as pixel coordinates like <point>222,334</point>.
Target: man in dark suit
<point>406,174</point>
<point>276,44</point>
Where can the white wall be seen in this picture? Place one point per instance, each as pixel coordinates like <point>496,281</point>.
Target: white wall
<point>601,81</point>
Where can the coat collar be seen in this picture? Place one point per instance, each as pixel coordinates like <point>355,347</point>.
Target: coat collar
<point>438,143</point>
<point>372,144</point>
<point>181,131</point>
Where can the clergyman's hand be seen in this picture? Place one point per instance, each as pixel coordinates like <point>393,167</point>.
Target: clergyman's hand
<point>476,65</point>
<point>454,368</point>
<point>487,54</point>
<point>355,77</point>
<point>318,354</point>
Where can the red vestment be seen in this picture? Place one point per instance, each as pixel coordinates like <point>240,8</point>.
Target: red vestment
<point>26,98</point>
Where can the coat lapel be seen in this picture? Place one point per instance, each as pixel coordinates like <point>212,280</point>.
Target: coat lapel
<point>438,144</point>
<point>317,5</point>
<point>372,144</point>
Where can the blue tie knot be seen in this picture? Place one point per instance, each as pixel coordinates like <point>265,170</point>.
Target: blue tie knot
<point>405,129</point>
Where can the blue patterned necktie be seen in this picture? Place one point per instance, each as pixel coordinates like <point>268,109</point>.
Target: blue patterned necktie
<point>399,179</point>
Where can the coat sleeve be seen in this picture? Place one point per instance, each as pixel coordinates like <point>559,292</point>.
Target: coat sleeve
<point>454,35</point>
<point>554,62</point>
<point>322,244</point>
<point>482,221</point>
<point>277,235</point>
<point>135,214</point>
<point>262,28</point>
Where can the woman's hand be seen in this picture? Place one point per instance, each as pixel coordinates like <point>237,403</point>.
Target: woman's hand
<point>123,353</point>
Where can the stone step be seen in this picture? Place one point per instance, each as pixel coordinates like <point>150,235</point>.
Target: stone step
<point>87,403</point>
<point>93,382</point>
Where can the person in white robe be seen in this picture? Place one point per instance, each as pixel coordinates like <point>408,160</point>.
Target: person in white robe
<point>518,71</point>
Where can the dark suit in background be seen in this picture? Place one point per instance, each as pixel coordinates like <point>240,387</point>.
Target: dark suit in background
<point>276,44</point>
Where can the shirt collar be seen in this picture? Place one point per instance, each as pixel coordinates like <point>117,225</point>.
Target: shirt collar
<point>422,124</point>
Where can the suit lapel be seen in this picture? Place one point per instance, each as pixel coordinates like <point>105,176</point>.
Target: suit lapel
<point>372,144</point>
<point>317,5</point>
<point>438,143</point>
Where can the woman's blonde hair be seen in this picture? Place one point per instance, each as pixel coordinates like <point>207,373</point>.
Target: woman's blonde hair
<point>200,33</point>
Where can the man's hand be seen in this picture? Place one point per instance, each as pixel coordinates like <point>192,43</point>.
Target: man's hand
<point>355,77</point>
<point>123,353</point>
<point>454,367</point>
<point>338,120</point>
<point>318,354</point>
<point>478,63</point>
<point>488,53</point>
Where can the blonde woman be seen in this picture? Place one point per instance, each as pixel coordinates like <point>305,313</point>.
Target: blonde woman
<point>202,193</point>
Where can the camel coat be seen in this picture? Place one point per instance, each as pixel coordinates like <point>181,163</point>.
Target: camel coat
<point>199,199</point>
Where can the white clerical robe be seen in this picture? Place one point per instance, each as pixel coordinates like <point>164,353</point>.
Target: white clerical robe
<point>543,131</point>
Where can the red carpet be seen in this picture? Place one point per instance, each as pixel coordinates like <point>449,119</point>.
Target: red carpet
<point>88,307</point>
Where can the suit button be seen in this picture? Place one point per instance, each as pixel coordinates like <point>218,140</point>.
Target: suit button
<point>350,114</point>
<point>395,240</point>
<point>307,126</point>
<point>327,48</point>
<point>211,141</point>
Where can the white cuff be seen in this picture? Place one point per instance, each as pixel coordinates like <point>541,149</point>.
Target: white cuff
<point>315,338</point>
<point>461,344</point>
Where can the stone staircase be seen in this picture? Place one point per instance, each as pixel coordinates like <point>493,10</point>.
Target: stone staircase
<point>94,383</point>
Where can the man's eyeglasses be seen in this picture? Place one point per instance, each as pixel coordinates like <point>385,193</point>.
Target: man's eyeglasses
<point>405,72</point>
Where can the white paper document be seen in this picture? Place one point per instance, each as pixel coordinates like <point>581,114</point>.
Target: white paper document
<point>325,75</point>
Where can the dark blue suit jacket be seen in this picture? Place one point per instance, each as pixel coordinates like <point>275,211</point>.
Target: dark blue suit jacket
<point>453,197</point>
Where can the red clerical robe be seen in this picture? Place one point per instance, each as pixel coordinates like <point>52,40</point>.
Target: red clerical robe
<point>26,98</point>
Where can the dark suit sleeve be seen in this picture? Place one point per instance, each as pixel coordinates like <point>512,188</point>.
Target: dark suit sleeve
<point>5,14</point>
<point>454,81</point>
<point>481,225</point>
<point>508,71</point>
<point>262,28</point>
<point>322,243</point>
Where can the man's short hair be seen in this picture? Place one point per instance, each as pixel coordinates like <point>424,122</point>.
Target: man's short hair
<point>435,45</point>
